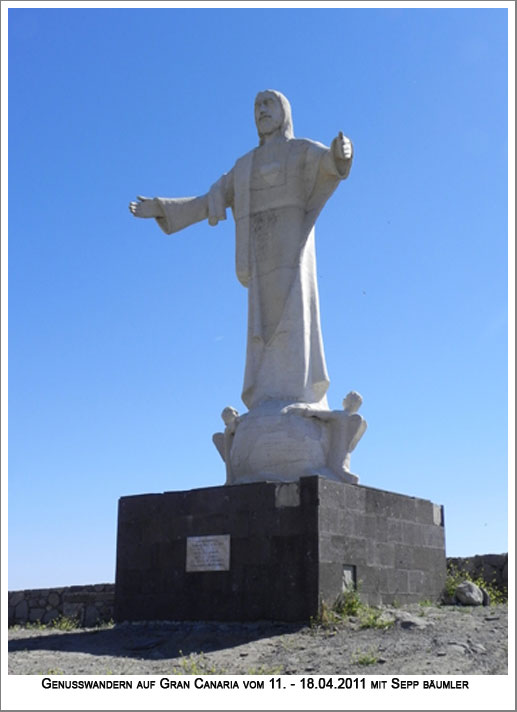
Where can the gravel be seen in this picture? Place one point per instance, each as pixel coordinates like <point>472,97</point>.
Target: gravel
<point>420,640</point>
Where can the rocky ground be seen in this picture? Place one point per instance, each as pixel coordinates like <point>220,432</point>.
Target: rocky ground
<point>410,640</point>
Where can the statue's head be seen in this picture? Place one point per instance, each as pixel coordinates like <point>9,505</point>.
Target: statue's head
<point>352,402</point>
<point>229,414</point>
<point>272,114</point>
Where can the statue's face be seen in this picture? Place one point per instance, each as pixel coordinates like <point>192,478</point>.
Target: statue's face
<point>269,114</point>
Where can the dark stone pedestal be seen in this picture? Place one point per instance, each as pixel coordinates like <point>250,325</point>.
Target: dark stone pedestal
<point>291,546</point>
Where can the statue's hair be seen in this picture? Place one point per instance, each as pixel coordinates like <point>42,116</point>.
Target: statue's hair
<point>287,124</point>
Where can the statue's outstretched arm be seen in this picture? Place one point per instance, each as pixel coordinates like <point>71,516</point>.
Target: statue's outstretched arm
<point>178,213</point>
<point>174,214</point>
<point>171,214</point>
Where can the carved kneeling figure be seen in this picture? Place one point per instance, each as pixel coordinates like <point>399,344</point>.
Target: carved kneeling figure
<point>346,429</point>
<point>223,441</point>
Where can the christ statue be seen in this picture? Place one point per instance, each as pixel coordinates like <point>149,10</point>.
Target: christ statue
<point>275,192</point>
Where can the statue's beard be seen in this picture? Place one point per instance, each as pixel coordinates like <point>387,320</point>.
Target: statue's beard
<point>268,127</point>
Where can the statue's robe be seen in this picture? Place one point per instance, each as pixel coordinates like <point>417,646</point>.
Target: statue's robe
<point>275,205</point>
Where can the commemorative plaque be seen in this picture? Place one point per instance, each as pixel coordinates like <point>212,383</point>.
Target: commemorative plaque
<point>208,553</point>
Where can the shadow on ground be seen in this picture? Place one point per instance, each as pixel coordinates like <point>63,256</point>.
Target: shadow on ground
<point>141,641</point>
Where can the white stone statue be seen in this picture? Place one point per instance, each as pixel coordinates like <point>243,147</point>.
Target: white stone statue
<point>276,192</point>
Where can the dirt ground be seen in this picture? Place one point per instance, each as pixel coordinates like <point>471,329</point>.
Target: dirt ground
<point>418,640</point>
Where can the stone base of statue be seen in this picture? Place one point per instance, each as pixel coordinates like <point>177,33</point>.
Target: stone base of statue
<point>282,441</point>
<point>273,551</point>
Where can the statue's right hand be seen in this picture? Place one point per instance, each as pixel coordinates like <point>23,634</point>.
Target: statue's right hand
<point>145,208</point>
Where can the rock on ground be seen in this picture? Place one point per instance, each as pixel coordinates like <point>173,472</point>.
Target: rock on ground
<point>434,640</point>
<point>469,594</point>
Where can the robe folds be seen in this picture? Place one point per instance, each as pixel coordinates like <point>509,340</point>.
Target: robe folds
<point>275,204</point>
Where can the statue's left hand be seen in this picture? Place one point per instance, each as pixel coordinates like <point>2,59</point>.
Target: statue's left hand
<point>342,147</point>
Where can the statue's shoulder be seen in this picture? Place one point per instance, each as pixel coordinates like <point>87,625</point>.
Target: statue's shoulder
<point>308,142</point>
<point>314,148</point>
<point>246,158</point>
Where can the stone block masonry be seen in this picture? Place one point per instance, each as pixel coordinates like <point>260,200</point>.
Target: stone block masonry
<point>291,546</point>
<point>88,605</point>
<point>492,568</point>
<point>94,604</point>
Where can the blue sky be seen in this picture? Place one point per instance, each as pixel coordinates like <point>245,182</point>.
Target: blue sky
<point>125,344</point>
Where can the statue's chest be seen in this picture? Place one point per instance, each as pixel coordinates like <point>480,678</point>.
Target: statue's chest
<point>276,178</point>
<point>268,173</point>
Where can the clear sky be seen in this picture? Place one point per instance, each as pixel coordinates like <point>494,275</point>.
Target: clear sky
<point>125,344</point>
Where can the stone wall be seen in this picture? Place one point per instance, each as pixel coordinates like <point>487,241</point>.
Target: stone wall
<point>93,604</point>
<point>88,605</point>
<point>493,568</point>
